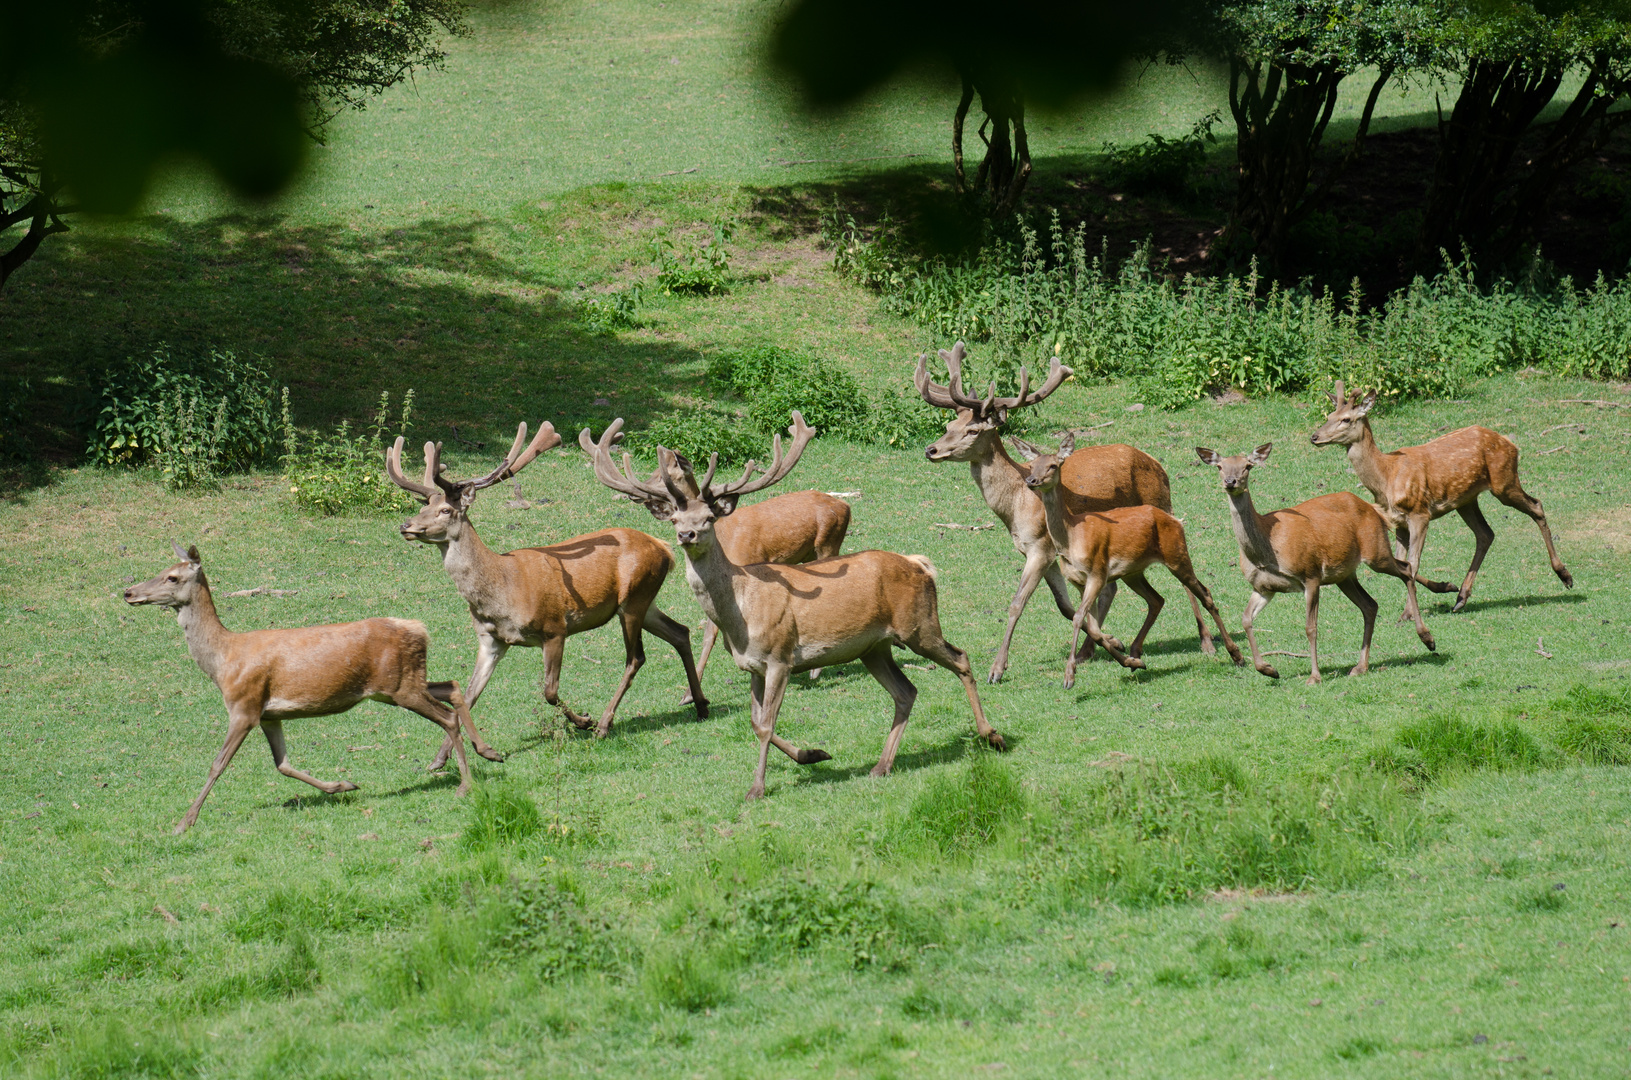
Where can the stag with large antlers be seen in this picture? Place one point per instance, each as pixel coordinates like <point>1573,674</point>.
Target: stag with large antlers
<point>1099,547</point>
<point>778,620</point>
<point>1094,478</point>
<point>540,596</point>
<point>787,529</point>
<point>1416,484</point>
<point>269,676</point>
<point>1316,543</point>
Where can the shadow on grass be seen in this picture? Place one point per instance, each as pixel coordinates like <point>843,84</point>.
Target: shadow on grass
<point>1475,606</point>
<point>953,749</point>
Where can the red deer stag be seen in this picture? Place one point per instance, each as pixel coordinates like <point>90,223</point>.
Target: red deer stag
<point>1316,543</point>
<point>1093,478</point>
<point>1099,547</point>
<point>1414,485</point>
<point>269,676</point>
<point>787,529</point>
<point>540,596</point>
<point>778,620</point>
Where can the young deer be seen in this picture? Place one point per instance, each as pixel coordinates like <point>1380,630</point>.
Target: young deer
<point>268,676</point>
<point>1093,478</point>
<point>788,529</point>
<point>777,620</point>
<point>1099,547</point>
<point>1414,485</point>
<point>1320,542</point>
<point>540,596</point>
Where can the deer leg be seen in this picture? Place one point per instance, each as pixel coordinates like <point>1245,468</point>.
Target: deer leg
<point>554,652</point>
<point>273,730</point>
<point>1084,619</point>
<point>1185,574</point>
<point>443,716</point>
<point>767,703</point>
<point>1039,561</point>
<point>679,636</point>
<point>1311,593</point>
<point>634,656</point>
<point>1482,536</point>
<point>1256,604</point>
<point>240,723</point>
<point>1101,612</point>
<point>1418,539</point>
<point>1142,587</point>
<point>956,661</point>
<point>448,692</point>
<point>1520,500</point>
<point>489,651</point>
<point>1367,608</point>
<point>882,665</point>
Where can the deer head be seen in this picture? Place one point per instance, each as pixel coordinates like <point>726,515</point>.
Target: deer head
<point>1042,468</point>
<point>1346,423</point>
<point>176,587</point>
<point>676,495</point>
<point>447,502</point>
<point>974,417</point>
<point>1235,470</point>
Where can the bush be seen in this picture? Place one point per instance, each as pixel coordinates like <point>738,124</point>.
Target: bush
<point>549,923</point>
<point>190,443</point>
<point>612,312</point>
<point>138,396</point>
<point>703,270</point>
<point>775,381</point>
<point>339,473</point>
<point>1162,166</point>
<point>797,914</point>
<point>697,432</point>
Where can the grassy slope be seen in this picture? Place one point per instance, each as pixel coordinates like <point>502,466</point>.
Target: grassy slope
<point>1409,967</point>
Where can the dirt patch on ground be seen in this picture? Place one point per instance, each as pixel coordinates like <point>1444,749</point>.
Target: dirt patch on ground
<point>1611,528</point>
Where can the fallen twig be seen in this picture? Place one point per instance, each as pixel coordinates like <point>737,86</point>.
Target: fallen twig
<point>354,749</point>
<point>1559,427</point>
<point>844,494</point>
<point>454,428</point>
<point>1599,402</point>
<point>1282,652</point>
<point>681,172</point>
<point>955,525</point>
<point>262,590</point>
<point>1540,649</point>
<point>162,912</point>
<point>1553,450</point>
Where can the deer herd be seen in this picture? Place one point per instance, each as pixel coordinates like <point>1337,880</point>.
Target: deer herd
<point>772,582</point>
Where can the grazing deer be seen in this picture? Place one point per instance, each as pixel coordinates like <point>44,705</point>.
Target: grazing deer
<point>787,529</point>
<point>1414,485</point>
<point>777,620</point>
<point>1316,543</point>
<point>268,676</point>
<point>540,596</point>
<point>1093,478</point>
<point>1098,547</point>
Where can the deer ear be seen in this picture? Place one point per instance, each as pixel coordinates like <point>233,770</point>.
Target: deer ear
<point>1025,450</point>
<point>1208,457</point>
<point>1364,407</point>
<point>193,556</point>
<point>723,505</point>
<point>661,509</point>
<point>1261,454</point>
<point>1068,446</point>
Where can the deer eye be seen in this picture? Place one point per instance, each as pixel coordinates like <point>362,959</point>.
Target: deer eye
<point>445,510</point>
<point>172,577</point>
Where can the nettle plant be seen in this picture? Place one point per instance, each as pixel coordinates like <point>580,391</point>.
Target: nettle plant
<point>339,472</point>
<point>703,269</point>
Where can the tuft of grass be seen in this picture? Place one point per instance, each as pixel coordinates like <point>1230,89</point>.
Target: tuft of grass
<point>1242,950</point>
<point>1445,744</point>
<point>499,816</point>
<point>688,977</point>
<point>957,814</point>
<point>1593,724</point>
<point>1357,1048</point>
<point>1554,897</point>
<point>115,1052</point>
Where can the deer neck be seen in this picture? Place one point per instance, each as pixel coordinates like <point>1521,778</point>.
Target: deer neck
<point>473,566</point>
<point>207,639</point>
<point>1369,464</point>
<point>1248,527</point>
<point>713,578</point>
<point>1000,480</point>
<point>1053,510</point>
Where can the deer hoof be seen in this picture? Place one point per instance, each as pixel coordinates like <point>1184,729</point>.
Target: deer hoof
<point>1207,648</point>
<point>757,791</point>
<point>179,829</point>
<point>343,785</point>
<point>702,709</point>
<point>582,723</point>
<point>489,753</point>
<point>1134,663</point>
<point>996,742</point>
<point>1268,669</point>
<point>464,789</point>
<point>687,699</point>
<point>1114,645</point>
<point>995,677</point>
<point>1427,640</point>
<point>1315,679</point>
<point>1565,577</point>
<point>1358,669</point>
<point>811,756</point>
<point>1460,602</point>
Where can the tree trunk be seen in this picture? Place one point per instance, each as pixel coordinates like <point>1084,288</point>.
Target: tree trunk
<point>43,217</point>
<point>1006,165</point>
<point>1281,112</point>
<point>1480,196</point>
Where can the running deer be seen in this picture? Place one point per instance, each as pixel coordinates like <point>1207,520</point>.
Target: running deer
<point>269,676</point>
<point>540,596</point>
<point>1320,542</point>
<point>778,620</point>
<point>1099,547</point>
<point>787,529</point>
<point>1093,478</point>
<point>1414,485</point>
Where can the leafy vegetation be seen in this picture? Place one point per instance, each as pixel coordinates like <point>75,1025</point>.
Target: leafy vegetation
<point>337,472</point>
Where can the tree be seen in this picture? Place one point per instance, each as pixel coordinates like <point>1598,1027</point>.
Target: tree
<point>1287,61</point>
<point>1028,52</point>
<point>1512,60</point>
<point>96,94</point>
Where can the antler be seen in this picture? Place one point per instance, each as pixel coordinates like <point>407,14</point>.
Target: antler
<point>622,481</point>
<point>779,466</point>
<point>393,469</point>
<point>1337,398</point>
<point>951,395</point>
<point>1057,374</point>
<point>517,459</point>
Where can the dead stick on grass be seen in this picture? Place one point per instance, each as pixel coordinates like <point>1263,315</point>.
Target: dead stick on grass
<point>1559,427</point>
<point>1553,450</point>
<point>262,590</point>
<point>1540,648</point>
<point>1599,402</point>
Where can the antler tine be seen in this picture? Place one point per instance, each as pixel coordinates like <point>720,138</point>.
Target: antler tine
<point>607,473</point>
<point>713,463</point>
<point>546,439</point>
<point>954,369</point>
<point>779,467</point>
<point>505,467</point>
<point>393,472</point>
<point>433,467</point>
<point>1057,374</point>
<point>938,396</point>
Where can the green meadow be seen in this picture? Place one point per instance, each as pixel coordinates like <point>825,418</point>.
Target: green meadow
<point>1190,870</point>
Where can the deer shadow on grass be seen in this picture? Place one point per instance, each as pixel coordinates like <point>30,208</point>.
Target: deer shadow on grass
<point>1475,606</point>
<point>953,748</point>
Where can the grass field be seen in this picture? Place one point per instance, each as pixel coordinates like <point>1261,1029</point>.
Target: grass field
<point>1189,871</point>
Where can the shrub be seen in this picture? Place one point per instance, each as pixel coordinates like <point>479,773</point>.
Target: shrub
<point>697,432</point>
<point>704,268</point>
<point>796,914</point>
<point>190,443</point>
<point>775,381</point>
<point>612,312</point>
<point>16,405</point>
<point>1162,166</point>
<point>549,923</point>
<point>338,472</point>
<point>227,400</point>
